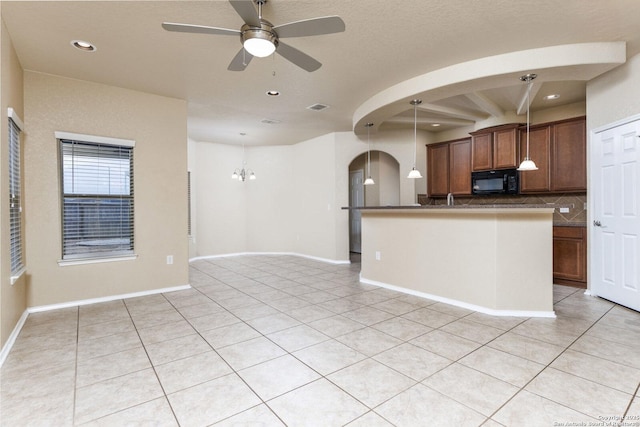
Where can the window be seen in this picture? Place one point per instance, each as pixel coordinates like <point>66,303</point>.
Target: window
<point>15,197</point>
<point>97,197</point>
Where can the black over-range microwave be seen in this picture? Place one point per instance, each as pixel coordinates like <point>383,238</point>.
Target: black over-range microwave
<point>495,182</point>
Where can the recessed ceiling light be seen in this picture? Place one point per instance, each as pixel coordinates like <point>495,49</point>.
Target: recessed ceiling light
<point>435,124</point>
<point>83,45</point>
<point>552,96</point>
<point>273,93</point>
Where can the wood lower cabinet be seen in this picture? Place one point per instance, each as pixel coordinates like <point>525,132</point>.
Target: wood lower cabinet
<point>570,256</point>
<point>449,168</point>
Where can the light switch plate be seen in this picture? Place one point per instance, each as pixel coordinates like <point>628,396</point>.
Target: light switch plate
<point>564,210</point>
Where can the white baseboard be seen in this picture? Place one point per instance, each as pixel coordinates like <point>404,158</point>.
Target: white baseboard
<point>38,309</point>
<point>6,348</point>
<point>326,260</point>
<point>462,304</point>
<point>41,308</point>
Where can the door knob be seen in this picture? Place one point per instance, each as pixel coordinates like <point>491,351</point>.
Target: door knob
<point>597,223</point>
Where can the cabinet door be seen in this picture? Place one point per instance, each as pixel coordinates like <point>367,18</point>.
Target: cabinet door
<point>569,156</point>
<point>569,254</point>
<point>482,152</point>
<point>460,167</point>
<point>539,151</point>
<point>438,170</point>
<point>505,148</point>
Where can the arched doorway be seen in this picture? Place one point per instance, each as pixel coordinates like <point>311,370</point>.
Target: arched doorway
<point>385,171</point>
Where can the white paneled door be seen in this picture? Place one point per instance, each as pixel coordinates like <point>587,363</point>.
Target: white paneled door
<point>615,200</point>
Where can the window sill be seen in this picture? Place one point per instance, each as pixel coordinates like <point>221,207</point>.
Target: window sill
<point>67,262</point>
<point>17,276</point>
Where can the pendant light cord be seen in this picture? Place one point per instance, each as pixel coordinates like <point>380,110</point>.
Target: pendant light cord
<point>528,109</point>
<point>415,133</point>
<point>368,152</point>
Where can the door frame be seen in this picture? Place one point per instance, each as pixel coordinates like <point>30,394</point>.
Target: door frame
<point>353,214</point>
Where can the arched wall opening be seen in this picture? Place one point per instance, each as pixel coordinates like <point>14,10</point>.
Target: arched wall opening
<point>384,169</point>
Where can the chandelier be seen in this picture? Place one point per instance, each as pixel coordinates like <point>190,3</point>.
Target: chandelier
<point>242,174</point>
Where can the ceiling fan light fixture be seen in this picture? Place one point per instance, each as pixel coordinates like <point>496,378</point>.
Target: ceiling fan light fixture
<point>259,42</point>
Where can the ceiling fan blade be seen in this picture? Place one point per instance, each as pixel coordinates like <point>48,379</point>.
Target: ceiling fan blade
<point>299,58</point>
<point>240,61</point>
<point>189,28</point>
<point>247,11</point>
<point>311,27</point>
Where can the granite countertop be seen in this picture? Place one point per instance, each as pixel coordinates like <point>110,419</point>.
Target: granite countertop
<point>569,224</point>
<point>479,206</point>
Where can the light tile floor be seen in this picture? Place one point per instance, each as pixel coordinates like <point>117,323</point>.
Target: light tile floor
<point>282,340</point>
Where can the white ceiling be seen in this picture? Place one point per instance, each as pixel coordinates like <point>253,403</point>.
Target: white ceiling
<point>386,43</point>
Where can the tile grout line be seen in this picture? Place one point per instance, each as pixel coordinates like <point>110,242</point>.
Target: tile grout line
<point>549,366</point>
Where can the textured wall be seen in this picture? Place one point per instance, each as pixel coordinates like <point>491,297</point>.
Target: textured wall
<point>12,297</point>
<point>158,125</point>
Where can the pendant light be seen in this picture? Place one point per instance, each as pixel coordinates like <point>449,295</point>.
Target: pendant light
<point>369,180</point>
<point>415,173</point>
<point>528,164</point>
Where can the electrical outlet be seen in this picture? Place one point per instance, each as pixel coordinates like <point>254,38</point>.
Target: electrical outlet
<point>377,255</point>
<point>169,259</point>
<point>564,210</point>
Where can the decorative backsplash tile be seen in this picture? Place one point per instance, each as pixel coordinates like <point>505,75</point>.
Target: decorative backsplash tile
<point>576,215</point>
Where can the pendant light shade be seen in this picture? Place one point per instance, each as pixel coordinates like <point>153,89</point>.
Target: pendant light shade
<point>528,164</point>
<point>415,173</point>
<point>369,180</point>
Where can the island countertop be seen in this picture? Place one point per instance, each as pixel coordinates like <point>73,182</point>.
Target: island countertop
<point>466,206</point>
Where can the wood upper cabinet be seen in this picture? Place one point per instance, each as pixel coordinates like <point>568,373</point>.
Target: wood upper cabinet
<point>505,148</point>
<point>495,148</point>
<point>539,151</point>
<point>449,168</point>
<point>570,255</point>
<point>438,169</point>
<point>482,152</point>
<point>460,167</point>
<point>560,152</point>
<point>569,156</point>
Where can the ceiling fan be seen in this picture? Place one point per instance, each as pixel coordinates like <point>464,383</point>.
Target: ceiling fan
<point>261,38</point>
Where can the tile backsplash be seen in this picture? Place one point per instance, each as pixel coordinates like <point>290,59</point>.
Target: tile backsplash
<point>576,215</point>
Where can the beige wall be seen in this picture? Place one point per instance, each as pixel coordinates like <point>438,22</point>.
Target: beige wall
<point>158,125</point>
<point>13,299</point>
<point>296,203</point>
<point>614,95</point>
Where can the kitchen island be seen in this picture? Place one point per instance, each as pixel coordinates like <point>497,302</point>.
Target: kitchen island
<point>496,259</point>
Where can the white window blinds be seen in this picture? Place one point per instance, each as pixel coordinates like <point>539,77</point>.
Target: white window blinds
<point>15,200</point>
<point>97,193</point>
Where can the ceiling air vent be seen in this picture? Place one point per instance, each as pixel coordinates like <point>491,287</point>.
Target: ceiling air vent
<point>270,121</point>
<point>317,107</point>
